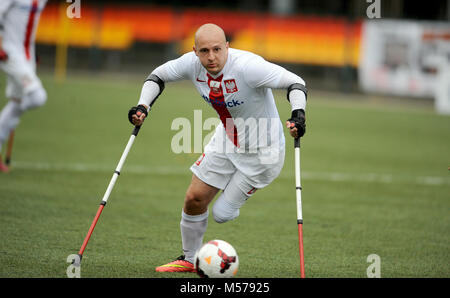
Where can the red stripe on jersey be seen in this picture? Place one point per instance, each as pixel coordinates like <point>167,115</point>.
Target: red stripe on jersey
<point>218,102</point>
<point>30,25</point>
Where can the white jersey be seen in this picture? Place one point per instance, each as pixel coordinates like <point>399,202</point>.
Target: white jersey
<point>18,23</point>
<point>241,95</point>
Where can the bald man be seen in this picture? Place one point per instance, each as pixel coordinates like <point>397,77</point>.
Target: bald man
<point>246,152</point>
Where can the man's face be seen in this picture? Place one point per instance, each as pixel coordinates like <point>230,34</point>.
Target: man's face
<point>212,50</point>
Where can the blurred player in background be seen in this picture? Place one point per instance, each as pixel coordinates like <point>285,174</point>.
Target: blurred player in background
<point>18,22</point>
<point>247,150</point>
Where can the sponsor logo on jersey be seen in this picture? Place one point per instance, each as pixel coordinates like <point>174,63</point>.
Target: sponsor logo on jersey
<point>229,104</point>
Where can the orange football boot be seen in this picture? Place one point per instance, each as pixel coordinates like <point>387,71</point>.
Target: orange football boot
<point>179,265</point>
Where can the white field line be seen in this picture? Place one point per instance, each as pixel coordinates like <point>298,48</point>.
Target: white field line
<point>173,170</point>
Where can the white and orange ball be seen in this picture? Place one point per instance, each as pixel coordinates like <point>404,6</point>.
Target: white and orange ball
<point>216,259</point>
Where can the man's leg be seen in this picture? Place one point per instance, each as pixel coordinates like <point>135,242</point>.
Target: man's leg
<point>198,196</point>
<point>9,119</point>
<point>194,218</point>
<point>232,198</point>
<point>13,110</point>
<point>25,91</point>
<point>193,224</point>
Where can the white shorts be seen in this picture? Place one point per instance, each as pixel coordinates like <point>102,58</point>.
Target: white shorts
<point>216,168</point>
<point>21,76</point>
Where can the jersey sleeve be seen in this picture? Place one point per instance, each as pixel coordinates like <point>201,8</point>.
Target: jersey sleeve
<point>177,69</point>
<point>261,73</point>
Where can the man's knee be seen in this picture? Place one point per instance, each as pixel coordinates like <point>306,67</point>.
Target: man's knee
<point>193,199</point>
<point>220,217</point>
<point>195,202</point>
<point>223,211</point>
<point>198,196</point>
<point>34,99</point>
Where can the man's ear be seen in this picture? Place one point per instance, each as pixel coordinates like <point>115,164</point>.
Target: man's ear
<point>195,50</point>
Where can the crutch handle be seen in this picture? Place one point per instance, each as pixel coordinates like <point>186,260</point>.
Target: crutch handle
<point>136,130</point>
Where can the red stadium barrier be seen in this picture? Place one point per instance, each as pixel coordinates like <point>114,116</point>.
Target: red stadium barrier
<point>297,39</point>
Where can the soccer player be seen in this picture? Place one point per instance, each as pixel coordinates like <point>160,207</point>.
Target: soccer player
<point>18,23</point>
<point>246,152</point>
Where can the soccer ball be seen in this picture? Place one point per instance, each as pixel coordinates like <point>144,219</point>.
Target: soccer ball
<point>215,259</point>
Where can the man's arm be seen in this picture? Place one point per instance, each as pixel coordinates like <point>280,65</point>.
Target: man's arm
<point>170,71</point>
<point>153,87</point>
<point>297,94</point>
<point>261,73</point>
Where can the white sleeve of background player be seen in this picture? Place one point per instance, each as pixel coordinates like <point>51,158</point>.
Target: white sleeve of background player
<point>4,5</point>
<point>173,70</point>
<point>261,73</point>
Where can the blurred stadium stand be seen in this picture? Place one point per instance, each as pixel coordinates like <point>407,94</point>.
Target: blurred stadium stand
<point>318,39</point>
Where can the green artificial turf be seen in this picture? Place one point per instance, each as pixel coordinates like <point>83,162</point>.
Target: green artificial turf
<point>374,174</point>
